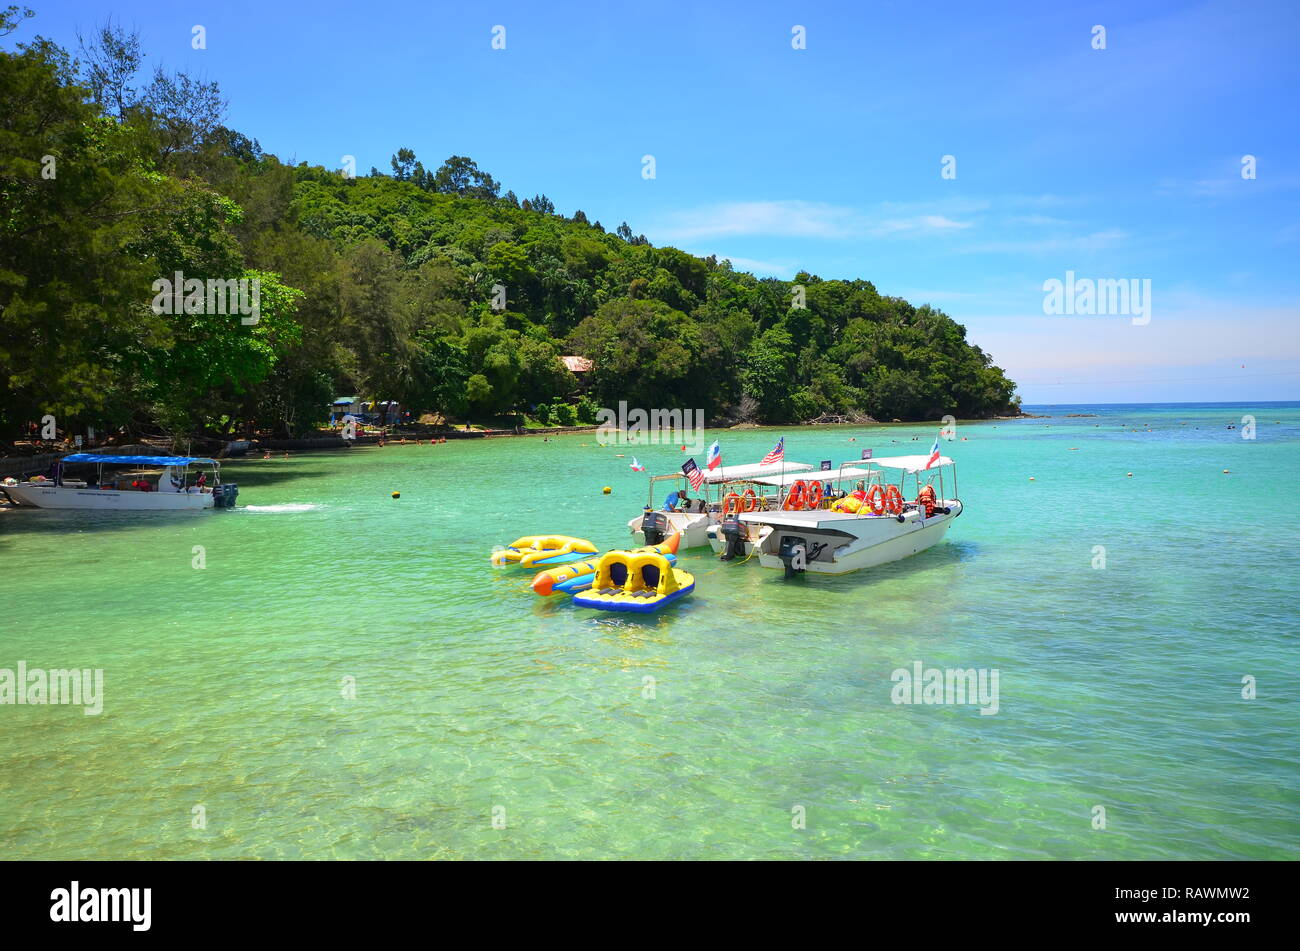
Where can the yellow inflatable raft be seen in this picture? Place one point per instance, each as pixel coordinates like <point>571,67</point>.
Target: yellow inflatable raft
<point>578,575</point>
<point>628,581</point>
<point>846,504</point>
<point>543,550</point>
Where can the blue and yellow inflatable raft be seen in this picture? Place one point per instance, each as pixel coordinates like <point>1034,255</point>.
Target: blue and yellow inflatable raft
<point>543,550</point>
<point>578,575</point>
<point>635,581</point>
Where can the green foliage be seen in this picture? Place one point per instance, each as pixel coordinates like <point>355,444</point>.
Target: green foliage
<point>383,285</point>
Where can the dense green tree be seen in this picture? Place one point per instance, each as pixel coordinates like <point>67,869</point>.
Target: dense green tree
<point>383,285</point>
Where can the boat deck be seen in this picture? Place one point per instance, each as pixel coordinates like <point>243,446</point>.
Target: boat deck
<point>805,519</point>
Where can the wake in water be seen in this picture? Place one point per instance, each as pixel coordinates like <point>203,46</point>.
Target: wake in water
<point>284,507</point>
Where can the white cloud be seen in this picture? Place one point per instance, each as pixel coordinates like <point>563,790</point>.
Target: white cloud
<point>786,219</point>
<point>1084,243</point>
<point>918,223</point>
<point>804,219</point>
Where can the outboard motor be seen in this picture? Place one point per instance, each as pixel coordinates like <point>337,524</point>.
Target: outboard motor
<point>224,495</point>
<point>655,527</point>
<point>794,555</point>
<point>733,535</point>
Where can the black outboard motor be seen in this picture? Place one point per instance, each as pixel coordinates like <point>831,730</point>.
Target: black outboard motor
<point>655,527</point>
<point>733,535</point>
<point>224,495</point>
<point>794,555</point>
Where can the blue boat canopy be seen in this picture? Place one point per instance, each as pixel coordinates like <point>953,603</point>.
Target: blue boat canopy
<point>138,460</point>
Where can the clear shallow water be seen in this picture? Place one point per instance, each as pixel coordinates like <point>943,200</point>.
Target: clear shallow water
<point>1118,687</point>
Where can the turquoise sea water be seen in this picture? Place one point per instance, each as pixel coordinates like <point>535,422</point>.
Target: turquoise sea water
<point>1119,687</point>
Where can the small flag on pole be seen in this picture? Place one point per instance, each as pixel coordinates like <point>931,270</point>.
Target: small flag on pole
<point>715,456</point>
<point>934,454</point>
<point>636,466</point>
<point>693,473</point>
<point>776,455</point>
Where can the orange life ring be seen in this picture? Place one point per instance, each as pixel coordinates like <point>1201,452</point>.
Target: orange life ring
<point>875,499</point>
<point>727,501</point>
<point>814,495</point>
<point>893,500</point>
<point>794,499</point>
<point>749,501</point>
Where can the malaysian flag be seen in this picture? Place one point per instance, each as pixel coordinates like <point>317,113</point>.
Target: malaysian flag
<point>934,454</point>
<point>715,456</point>
<point>693,473</point>
<point>636,466</point>
<point>776,455</point>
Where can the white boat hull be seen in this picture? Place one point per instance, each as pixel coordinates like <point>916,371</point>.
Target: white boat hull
<point>850,542</point>
<point>693,526</point>
<point>718,542</point>
<point>70,497</point>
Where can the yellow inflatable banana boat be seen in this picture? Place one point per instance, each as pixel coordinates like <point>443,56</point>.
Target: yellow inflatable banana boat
<point>543,550</point>
<point>846,504</point>
<point>578,575</point>
<point>628,581</point>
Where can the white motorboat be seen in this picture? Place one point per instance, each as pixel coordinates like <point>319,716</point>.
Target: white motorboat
<point>694,517</point>
<point>144,489</point>
<point>772,492</point>
<point>885,526</point>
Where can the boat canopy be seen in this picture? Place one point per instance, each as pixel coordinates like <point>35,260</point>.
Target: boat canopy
<point>754,470</point>
<point>745,473</point>
<point>910,463</point>
<point>823,475</point>
<point>138,460</point>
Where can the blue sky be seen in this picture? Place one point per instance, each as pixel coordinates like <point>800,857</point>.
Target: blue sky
<point>1116,163</point>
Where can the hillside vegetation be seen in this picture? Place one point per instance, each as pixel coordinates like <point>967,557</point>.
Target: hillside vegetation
<point>386,284</point>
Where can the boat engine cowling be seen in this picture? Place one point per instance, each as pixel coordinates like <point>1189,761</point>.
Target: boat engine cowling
<point>224,495</point>
<point>733,539</point>
<point>793,554</point>
<point>655,527</point>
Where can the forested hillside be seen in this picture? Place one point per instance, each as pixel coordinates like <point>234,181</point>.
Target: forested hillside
<point>383,284</point>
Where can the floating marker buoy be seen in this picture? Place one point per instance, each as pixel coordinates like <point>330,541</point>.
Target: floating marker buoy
<point>397,495</point>
<point>1129,474</point>
<point>1225,471</point>
<point>1031,478</point>
<point>607,490</point>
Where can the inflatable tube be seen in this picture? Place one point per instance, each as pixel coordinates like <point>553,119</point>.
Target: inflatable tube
<point>563,579</point>
<point>583,582</point>
<point>637,583</point>
<point>543,550</point>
